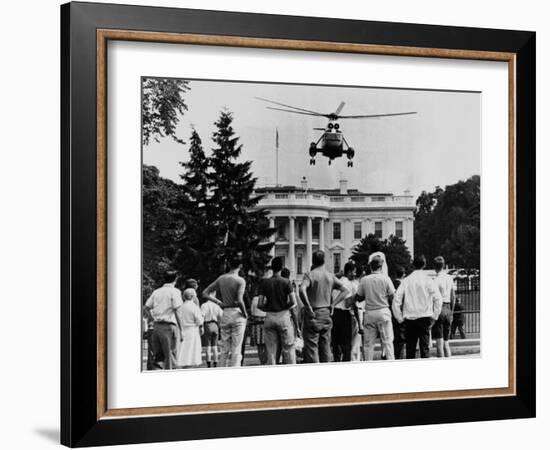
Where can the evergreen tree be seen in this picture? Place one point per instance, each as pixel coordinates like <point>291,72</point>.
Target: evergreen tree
<point>394,248</point>
<point>240,226</point>
<point>197,246</point>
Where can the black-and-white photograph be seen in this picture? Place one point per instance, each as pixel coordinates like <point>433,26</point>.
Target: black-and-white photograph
<point>291,223</point>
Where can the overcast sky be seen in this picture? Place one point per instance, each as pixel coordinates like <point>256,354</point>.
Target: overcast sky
<point>438,146</point>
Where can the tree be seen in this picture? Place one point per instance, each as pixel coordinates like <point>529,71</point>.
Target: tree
<point>163,226</point>
<point>394,248</point>
<point>197,247</point>
<point>240,226</point>
<point>447,223</point>
<point>162,105</point>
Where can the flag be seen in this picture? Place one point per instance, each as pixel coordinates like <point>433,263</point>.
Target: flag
<point>277,138</point>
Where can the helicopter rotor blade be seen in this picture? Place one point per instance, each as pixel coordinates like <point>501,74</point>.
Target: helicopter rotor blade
<point>296,112</point>
<point>320,129</point>
<point>289,106</point>
<point>340,107</point>
<point>376,116</point>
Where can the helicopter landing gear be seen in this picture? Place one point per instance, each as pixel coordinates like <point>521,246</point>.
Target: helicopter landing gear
<point>312,150</point>
<point>350,163</point>
<point>330,162</point>
<point>312,162</point>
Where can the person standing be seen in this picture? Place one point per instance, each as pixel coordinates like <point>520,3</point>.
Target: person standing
<point>230,288</point>
<point>189,351</point>
<point>458,319</point>
<point>316,294</point>
<point>417,303</point>
<point>212,314</point>
<point>398,328</point>
<point>162,309</point>
<point>441,331</point>
<point>377,290</point>
<point>345,317</point>
<point>277,299</point>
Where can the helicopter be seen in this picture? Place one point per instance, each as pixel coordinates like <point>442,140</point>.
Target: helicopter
<point>332,143</point>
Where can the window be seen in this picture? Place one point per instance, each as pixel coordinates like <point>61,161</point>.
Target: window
<point>336,230</point>
<point>399,229</point>
<point>337,259</point>
<point>357,230</point>
<point>315,230</point>
<point>299,265</point>
<point>378,230</point>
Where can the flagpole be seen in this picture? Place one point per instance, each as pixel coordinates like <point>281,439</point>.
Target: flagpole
<point>276,157</point>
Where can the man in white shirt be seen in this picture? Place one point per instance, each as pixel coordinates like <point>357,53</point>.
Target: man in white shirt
<point>162,308</point>
<point>441,331</point>
<point>417,303</point>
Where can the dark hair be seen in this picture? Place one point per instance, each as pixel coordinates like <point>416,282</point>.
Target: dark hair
<point>170,276</point>
<point>375,263</point>
<point>419,262</point>
<point>399,272</point>
<point>190,283</point>
<point>276,264</point>
<point>285,273</point>
<point>439,263</point>
<point>349,267</point>
<point>235,262</point>
<point>318,258</point>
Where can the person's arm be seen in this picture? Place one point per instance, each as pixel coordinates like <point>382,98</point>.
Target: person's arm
<point>240,298</point>
<point>344,291</point>
<point>397,302</point>
<point>303,294</point>
<point>293,315</point>
<point>177,302</point>
<point>355,310</point>
<point>147,309</point>
<point>437,299</point>
<point>207,293</point>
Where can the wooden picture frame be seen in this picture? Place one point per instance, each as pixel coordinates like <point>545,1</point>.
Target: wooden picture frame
<point>85,30</point>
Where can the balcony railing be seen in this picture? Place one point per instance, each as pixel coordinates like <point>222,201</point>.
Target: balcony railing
<point>329,201</point>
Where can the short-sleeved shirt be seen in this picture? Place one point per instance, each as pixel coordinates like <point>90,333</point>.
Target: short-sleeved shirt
<point>164,302</point>
<point>444,282</point>
<point>211,311</point>
<point>227,286</point>
<point>352,288</point>
<point>276,291</point>
<point>321,284</point>
<point>376,288</point>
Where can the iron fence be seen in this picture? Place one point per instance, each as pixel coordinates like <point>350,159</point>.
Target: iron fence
<point>467,291</point>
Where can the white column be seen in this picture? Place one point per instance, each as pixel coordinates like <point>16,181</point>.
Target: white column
<point>408,233</point>
<point>347,231</point>
<point>367,227</point>
<point>291,244</point>
<point>388,228</point>
<point>272,237</point>
<point>322,234</point>
<point>309,243</point>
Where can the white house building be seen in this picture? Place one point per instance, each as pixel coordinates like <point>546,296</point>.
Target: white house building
<point>333,220</point>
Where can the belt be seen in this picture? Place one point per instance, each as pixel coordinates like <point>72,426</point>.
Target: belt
<point>321,307</point>
<point>230,307</point>
<point>211,321</point>
<point>164,322</point>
